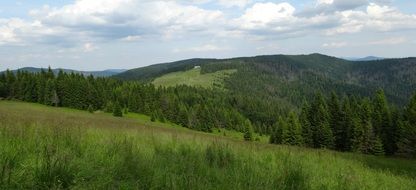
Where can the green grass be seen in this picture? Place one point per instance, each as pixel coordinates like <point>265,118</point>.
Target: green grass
<point>57,148</point>
<point>193,77</point>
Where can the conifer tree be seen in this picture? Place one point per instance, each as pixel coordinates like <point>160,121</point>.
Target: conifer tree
<point>319,119</point>
<point>367,126</point>
<point>307,133</point>
<point>248,131</point>
<point>90,109</point>
<point>117,110</point>
<point>378,148</point>
<point>153,117</point>
<point>382,122</point>
<point>276,136</point>
<point>292,132</point>
<point>407,136</point>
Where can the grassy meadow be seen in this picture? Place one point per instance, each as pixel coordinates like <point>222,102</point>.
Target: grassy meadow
<point>58,148</point>
<point>193,77</point>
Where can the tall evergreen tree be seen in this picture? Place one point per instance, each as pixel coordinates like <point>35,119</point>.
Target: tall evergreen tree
<point>319,119</point>
<point>307,133</point>
<point>277,134</point>
<point>248,131</point>
<point>292,132</point>
<point>407,136</point>
<point>382,122</point>
<point>117,112</point>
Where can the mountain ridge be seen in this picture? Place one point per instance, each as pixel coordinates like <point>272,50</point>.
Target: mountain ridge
<point>293,77</point>
<point>103,73</point>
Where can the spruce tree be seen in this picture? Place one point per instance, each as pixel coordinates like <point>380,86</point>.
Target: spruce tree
<point>292,132</point>
<point>407,131</point>
<point>382,122</point>
<point>378,148</point>
<point>90,109</point>
<point>276,136</point>
<point>153,117</point>
<point>307,133</point>
<point>117,112</point>
<point>319,119</point>
<point>248,130</point>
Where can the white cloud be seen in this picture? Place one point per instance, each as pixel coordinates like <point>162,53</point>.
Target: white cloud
<point>89,47</point>
<point>86,21</point>
<point>265,14</point>
<point>234,3</point>
<point>374,18</point>
<point>324,2</point>
<point>389,41</point>
<point>203,48</point>
<point>335,44</point>
<point>131,38</point>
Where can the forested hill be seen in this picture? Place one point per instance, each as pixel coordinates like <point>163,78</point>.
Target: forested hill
<point>104,73</point>
<point>289,79</point>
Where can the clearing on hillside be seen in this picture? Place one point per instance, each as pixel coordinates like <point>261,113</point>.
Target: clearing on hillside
<point>194,77</point>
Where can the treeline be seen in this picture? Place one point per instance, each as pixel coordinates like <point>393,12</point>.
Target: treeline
<point>195,108</point>
<point>363,125</point>
<point>355,124</point>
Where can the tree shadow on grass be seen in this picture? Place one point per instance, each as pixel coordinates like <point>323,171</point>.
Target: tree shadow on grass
<point>396,166</point>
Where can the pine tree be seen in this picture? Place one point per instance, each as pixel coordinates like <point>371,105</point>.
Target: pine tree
<point>319,119</point>
<point>117,110</point>
<point>248,131</point>
<point>378,148</point>
<point>292,132</point>
<point>407,131</point>
<point>276,136</point>
<point>307,133</point>
<point>153,117</point>
<point>109,107</point>
<point>357,136</point>
<point>383,123</point>
<point>90,109</point>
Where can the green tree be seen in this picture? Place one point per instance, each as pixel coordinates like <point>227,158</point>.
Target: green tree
<point>90,109</point>
<point>292,132</point>
<point>378,148</point>
<point>407,131</point>
<point>319,119</point>
<point>382,122</point>
<point>117,112</point>
<point>307,133</point>
<point>248,130</point>
<point>276,136</point>
<point>153,117</point>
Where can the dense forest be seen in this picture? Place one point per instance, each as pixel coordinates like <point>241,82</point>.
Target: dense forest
<point>338,121</point>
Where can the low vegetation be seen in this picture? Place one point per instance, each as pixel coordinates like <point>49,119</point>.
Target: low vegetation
<point>56,148</point>
<point>193,77</point>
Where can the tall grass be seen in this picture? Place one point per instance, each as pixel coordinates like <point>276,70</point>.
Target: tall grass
<point>49,148</point>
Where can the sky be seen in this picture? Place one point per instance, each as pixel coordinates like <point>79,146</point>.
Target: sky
<point>124,34</point>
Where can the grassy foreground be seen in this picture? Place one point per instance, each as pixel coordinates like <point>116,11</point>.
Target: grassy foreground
<point>52,148</point>
<point>193,77</point>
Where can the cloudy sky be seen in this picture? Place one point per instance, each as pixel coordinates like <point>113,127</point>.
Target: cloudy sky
<point>103,34</point>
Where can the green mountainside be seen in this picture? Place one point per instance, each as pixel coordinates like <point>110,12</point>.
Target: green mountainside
<point>194,77</point>
<point>292,78</point>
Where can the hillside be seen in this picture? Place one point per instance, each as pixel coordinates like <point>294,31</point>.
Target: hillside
<point>60,148</point>
<point>291,78</point>
<point>194,77</point>
<point>104,73</point>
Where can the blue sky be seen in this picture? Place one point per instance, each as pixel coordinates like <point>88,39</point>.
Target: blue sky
<point>103,34</point>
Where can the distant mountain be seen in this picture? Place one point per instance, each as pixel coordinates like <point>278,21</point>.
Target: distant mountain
<point>368,58</point>
<point>104,73</point>
<point>288,79</point>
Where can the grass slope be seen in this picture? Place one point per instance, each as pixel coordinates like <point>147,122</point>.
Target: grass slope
<point>54,148</point>
<point>193,77</point>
